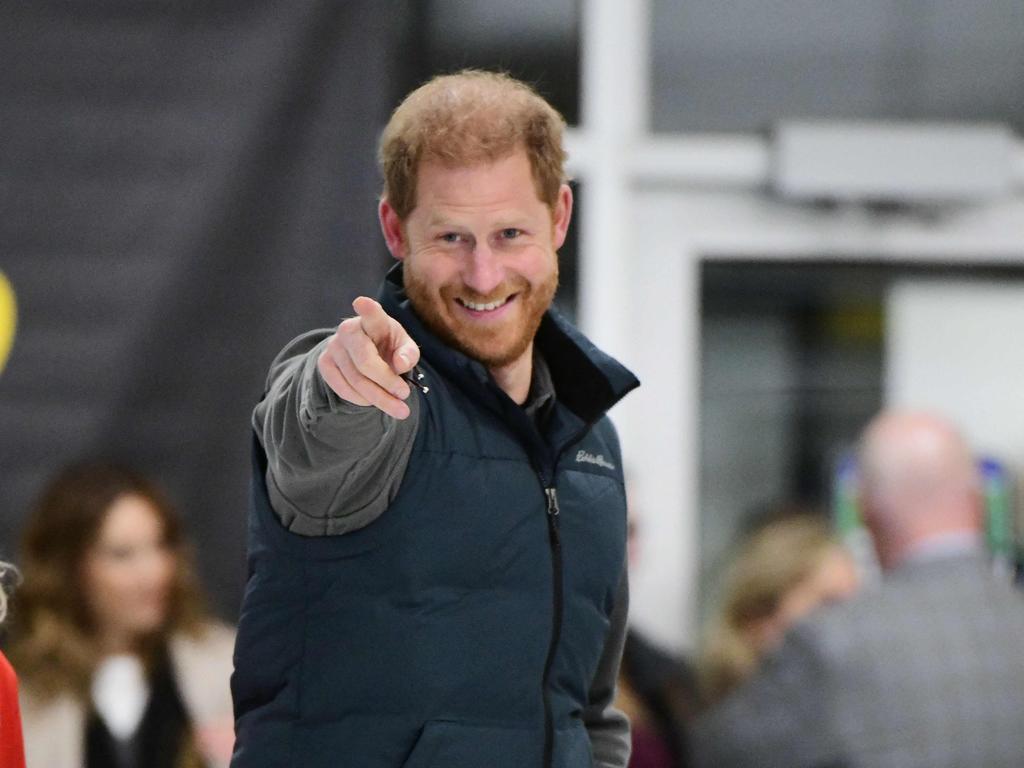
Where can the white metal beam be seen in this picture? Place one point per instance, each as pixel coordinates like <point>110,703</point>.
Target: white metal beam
<point>707,160</point>
<point>614,101</point>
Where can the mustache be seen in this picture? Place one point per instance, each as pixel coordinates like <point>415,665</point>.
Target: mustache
<point>503,291</point>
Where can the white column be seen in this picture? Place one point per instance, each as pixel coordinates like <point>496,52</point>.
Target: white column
<point>659,428</point>
<point>614,100</point>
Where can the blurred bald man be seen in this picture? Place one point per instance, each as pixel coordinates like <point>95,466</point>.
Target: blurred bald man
<point>926,671</point>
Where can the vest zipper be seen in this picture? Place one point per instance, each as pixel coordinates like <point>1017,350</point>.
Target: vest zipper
<point>547,482</point>
<point>554,538</point>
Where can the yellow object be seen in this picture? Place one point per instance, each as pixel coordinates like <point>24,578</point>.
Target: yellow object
<point>8,319</point>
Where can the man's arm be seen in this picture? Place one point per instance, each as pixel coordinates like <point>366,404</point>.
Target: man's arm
<point>607,726</point>
<point>338,442</point>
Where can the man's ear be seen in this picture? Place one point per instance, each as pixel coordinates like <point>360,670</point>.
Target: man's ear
<point>391,226</point>
<point>562,215</point>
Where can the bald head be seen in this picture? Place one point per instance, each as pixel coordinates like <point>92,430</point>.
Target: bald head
<point>918,480</point>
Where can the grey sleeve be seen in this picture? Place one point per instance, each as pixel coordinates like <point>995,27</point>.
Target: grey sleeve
<point>607,726</point>
<point>332,467</point>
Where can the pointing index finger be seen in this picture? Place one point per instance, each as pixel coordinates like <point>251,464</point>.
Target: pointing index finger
<point>373,319</point>
<point>392,341</point>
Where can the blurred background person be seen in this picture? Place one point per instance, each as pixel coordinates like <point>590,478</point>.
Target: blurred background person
<point>656,689</point>
<point>926,671</point>
<point>120,666</point>
<point>785,569</point>
<point>12,751</point>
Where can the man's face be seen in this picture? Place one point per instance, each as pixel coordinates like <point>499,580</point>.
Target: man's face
<point>480,255</point>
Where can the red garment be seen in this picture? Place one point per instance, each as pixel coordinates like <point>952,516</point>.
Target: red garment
<point>12,748</point>
<point>650,749</point>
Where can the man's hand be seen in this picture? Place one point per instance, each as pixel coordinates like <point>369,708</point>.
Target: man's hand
<point>363,359</point>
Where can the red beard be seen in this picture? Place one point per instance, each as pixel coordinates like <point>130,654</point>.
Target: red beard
<point>495,345</point>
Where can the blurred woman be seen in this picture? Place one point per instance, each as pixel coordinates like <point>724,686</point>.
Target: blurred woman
<point>786,569</point>
<point>120,666</point>
<point>12,751</point>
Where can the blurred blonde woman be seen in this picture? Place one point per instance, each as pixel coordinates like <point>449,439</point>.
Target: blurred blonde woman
<point>12,751</point>
<point>120,666</point>
<point>786,569</point>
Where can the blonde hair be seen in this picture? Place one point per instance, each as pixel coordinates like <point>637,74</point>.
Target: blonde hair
<point>54,640</point>
<point>470,117</point>
<point>770,563</point>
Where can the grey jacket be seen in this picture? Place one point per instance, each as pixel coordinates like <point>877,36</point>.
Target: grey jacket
<point>928,672</point>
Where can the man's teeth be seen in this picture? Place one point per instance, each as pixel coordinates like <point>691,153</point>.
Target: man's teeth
<point>483,307</point>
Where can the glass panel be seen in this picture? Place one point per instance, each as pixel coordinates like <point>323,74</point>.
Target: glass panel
<point>743,65</point>
<point>535,40</point>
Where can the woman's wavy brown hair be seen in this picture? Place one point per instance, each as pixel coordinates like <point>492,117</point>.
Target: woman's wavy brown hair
<point>54,641</point>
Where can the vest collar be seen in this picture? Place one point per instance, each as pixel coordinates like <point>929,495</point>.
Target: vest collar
<point>587,381</point>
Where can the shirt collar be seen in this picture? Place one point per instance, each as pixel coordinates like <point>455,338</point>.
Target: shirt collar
<point>945,545</point>
<point>541,397</point>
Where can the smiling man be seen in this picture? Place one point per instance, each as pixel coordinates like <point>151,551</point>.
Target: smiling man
<point>437,571</point>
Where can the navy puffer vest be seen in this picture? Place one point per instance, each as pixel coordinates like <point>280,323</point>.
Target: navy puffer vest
<point>463,627</point>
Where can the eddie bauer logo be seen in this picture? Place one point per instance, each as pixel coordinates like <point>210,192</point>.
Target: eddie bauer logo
<point>582,457</point>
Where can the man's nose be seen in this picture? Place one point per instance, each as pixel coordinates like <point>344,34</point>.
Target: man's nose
<point>483,272</point>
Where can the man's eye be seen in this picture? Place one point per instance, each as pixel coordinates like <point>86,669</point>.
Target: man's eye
<point>451,237</point>
<point>511,233</point>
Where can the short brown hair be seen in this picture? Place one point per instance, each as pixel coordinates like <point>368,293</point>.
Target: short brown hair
<point>55,647</point>
<point>470,117</point>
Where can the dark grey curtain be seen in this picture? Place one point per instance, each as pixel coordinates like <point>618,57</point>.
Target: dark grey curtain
<point>184,186</point>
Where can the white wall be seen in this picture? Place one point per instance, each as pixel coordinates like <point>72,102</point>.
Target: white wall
<point>956,347</point>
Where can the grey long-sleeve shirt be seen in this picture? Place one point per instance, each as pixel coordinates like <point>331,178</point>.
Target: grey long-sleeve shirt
<point>334,467</point>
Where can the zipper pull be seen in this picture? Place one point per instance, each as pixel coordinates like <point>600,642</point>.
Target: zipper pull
<point>552,495</point>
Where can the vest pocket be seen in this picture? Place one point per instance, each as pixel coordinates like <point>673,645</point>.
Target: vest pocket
<point>447,744</point>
